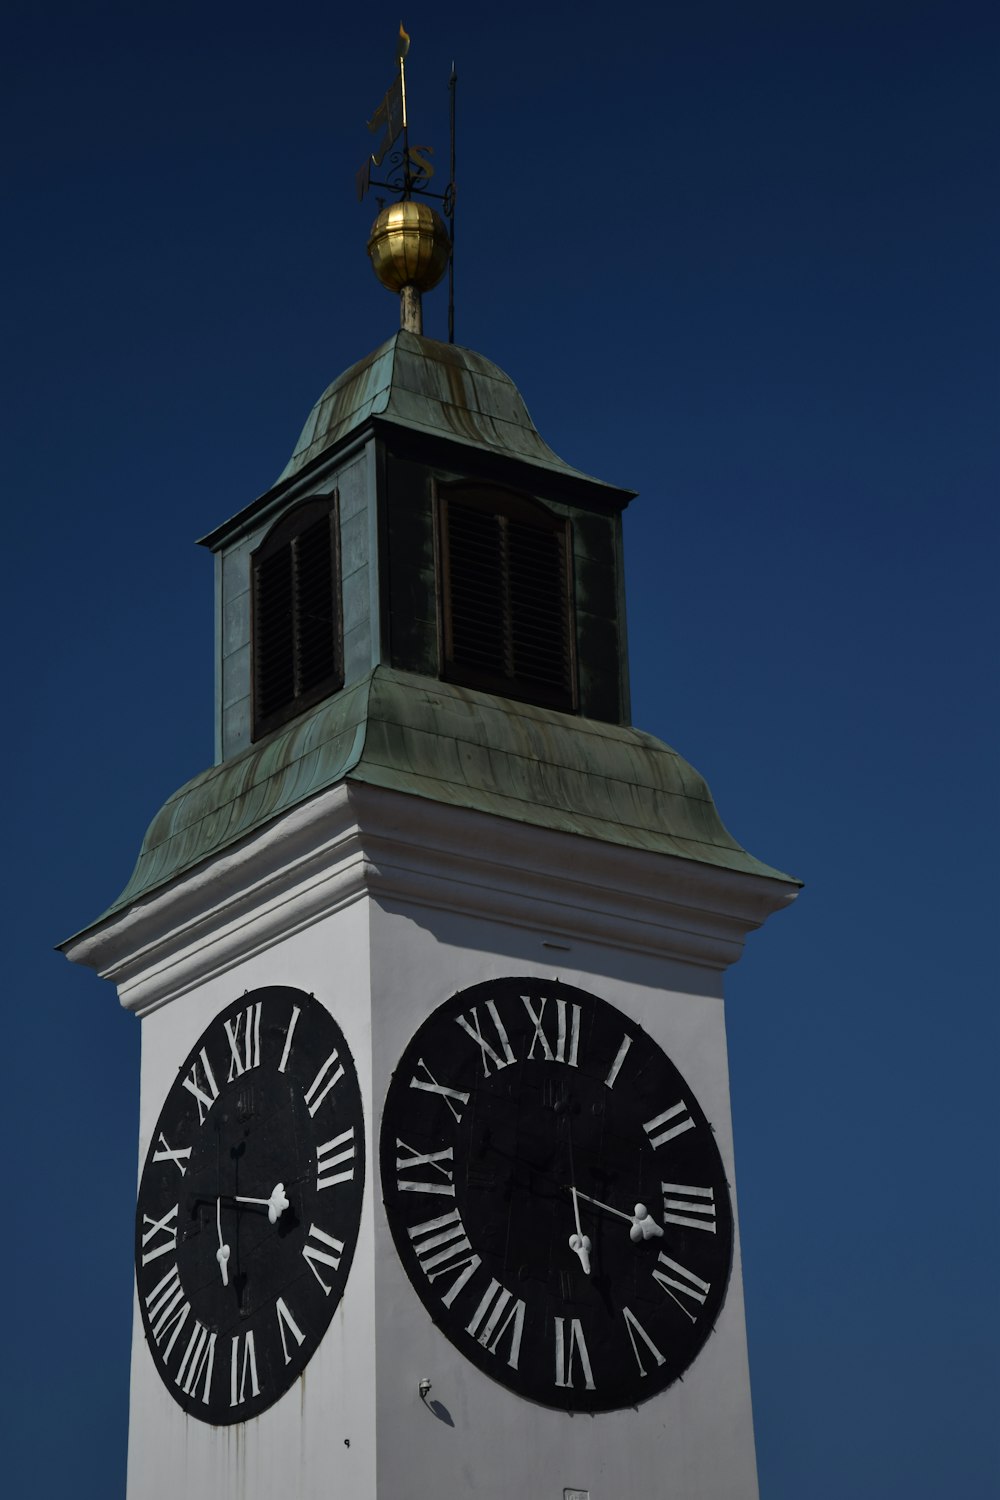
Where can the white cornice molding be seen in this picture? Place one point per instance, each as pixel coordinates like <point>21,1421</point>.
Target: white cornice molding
<point>356,840</point>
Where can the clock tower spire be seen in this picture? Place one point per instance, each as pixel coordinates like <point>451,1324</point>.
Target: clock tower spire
<point>435,1140</point>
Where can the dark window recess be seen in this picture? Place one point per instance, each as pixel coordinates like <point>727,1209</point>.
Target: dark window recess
<point>507,608</point>
<point>297,652</point>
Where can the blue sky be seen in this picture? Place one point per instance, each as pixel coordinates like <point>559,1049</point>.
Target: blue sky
<point>739,257</point>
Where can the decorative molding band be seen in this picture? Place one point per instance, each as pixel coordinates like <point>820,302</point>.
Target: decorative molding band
<point>356,841</point>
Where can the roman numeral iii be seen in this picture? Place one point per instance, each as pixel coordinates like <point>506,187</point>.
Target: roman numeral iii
<point>332,1158</point>
<point>693,1207</point>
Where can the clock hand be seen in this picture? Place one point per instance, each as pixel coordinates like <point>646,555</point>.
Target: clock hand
<point>579,1243</point>
<point>644,1226</point>
<point>222,1254</point>
<point>275,1205</point>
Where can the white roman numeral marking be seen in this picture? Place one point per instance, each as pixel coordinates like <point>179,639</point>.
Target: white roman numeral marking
<point>238,1373</point>
<point>177,1157</point>
<point>199,1360</point>
<point>684,1281</point>
<point>421,1159</point>
<point>485,1320</point>
<point>315,1256</point>
<point>288,1038</point>
<point>433,1087</point>
<point>616,1066</point>
<point>334,1154</point>
<point>166,1310</point>
<point>323,1082</point>
<point>286,1321</point>
<point>631,1321</point>
<point>244,1044</point>
<point>205,1100</point>
<point>676,1112</point>
<point>167,1226</point>
<point>559,1053</point>
<point>484,1046</point>
<point>697,1205</point>
<point>443,1248</point>
<point>566,1348</point>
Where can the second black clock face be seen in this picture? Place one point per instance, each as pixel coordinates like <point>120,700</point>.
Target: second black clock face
<point>556,1194</point>
<point>249,1204</point>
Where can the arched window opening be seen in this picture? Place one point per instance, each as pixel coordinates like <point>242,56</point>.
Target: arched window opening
<point>506,596</point>
<point>297,620</point>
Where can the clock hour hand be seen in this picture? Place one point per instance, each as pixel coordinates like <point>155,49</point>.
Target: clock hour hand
<point>644,1226</point>
<point>579,1242</point>
<point>275,1205</point>
<point>222,1254</point>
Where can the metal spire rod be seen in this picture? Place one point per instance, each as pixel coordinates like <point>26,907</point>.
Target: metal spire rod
<point>453,89</point>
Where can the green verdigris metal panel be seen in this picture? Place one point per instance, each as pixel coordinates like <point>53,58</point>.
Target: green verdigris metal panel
<point>442,390</point>
<point>452,745</point>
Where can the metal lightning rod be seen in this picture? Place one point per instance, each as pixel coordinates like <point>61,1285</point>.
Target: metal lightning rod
<point>452,88</point>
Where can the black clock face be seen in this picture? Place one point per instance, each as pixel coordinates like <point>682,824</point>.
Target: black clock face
<point>556,1194</point>
<point>249,1204</point>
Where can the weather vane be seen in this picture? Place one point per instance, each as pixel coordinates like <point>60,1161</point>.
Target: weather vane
<point>409,246</point>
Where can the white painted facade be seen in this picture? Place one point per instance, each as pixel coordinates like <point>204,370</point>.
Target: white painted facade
<point>383,905</point>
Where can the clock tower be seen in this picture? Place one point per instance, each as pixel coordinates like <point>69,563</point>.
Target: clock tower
<point>436,1181</point>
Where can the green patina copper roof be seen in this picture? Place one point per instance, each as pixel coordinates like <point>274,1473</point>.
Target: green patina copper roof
<point>439,389</point>
<point>452,745</point>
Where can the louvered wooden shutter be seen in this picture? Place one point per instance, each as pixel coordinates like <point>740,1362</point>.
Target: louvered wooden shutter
<point>297,616</point>
<point>507,620</point>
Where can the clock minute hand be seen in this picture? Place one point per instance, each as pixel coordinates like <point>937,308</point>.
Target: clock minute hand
<point>644,1226</point>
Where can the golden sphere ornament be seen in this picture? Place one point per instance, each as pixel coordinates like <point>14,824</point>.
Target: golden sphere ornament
<point>409,246</point>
